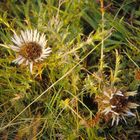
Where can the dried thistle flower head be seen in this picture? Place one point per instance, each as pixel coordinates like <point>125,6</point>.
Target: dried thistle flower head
<point>114,104</point>
<point>31,47</point>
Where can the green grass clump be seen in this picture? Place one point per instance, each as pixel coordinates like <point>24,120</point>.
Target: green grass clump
<point>94,44</point>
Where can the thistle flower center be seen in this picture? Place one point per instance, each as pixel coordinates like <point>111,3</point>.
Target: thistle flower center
<point>119,103</point>
<point>31,51</point>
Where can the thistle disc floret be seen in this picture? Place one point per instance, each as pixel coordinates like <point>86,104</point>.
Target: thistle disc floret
<point>118,103</point>
<point>31,51</point>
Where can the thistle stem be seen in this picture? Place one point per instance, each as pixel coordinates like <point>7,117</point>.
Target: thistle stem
<point>102,42</point>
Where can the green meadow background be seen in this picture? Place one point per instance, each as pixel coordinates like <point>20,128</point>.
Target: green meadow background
<point>86,38</point>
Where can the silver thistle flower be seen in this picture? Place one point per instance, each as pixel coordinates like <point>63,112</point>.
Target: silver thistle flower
<point>31,47</point>
<point>116,105</point>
